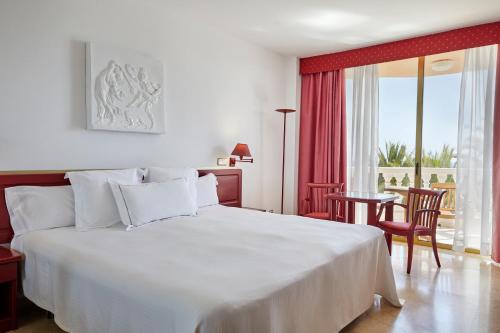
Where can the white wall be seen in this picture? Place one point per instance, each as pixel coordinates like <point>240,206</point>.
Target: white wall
<point>219,90</point>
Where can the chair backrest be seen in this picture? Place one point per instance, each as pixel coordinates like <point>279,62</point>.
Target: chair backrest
<point>423,199</point>
<point>449,199</point>
<point>316,201</point>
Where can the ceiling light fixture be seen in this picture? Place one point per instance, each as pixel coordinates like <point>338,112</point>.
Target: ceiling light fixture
<point>442,65</point>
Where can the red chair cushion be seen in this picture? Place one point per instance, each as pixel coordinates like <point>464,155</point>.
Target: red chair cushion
<point>318,215</point>
<point>400,226</point>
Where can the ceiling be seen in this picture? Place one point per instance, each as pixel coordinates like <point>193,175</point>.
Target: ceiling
<point>311,27</point>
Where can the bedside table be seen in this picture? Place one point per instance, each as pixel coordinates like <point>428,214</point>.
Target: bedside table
<point>9,263</point>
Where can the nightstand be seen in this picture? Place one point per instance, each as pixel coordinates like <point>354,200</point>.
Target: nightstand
<point>9,263</point>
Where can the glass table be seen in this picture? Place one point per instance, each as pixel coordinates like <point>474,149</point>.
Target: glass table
<point>371,199</point>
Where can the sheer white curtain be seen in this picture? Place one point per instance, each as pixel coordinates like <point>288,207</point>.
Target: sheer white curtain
<point>475,148</point>
<point>363,133</point>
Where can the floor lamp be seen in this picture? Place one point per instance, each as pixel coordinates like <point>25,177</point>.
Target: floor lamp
<point>284,111</point>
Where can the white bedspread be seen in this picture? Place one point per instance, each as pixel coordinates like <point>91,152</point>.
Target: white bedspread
<point>226,270</point>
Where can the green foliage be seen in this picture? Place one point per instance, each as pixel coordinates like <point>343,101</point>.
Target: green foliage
<point>395,156</point>
<point>444,159</point>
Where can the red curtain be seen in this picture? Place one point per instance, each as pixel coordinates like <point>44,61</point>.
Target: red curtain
<point>322,141</point>
<point>458,39</point>
<point>495,239</point>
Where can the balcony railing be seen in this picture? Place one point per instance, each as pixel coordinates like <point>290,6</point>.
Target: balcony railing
<point>404,176</point>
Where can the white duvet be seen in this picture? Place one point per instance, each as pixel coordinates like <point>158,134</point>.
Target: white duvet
<point>226,270</point>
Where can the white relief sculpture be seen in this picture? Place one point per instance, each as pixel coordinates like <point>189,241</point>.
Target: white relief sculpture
<point>124,96</point>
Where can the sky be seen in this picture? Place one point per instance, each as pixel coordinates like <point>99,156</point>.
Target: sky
<point>397,110</point>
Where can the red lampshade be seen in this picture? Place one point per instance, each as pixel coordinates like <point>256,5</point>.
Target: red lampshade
<point>241,150</point>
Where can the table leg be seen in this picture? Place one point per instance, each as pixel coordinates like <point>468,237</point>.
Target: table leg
<point>332,209</point>
<point>343,211</point>
<point>372,214</point>
<point>351,208</point>
<point>389,212</point>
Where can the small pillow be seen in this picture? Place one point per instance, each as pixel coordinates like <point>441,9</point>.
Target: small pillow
<point>149,202</point>
<point>160,175</point>
<point>207,190</point>
<point>40,207</point>
<point>95,206</point>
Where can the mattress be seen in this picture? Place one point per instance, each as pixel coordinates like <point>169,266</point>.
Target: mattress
<point>225,270</point>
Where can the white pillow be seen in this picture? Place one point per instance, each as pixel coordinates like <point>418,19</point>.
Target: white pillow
<point>148,202</point>
<point>160,175</point>
<point>40,207</point>
<point>207,190</point>
<point>95,206</point>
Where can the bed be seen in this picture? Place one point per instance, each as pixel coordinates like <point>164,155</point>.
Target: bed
<point>226,270</point>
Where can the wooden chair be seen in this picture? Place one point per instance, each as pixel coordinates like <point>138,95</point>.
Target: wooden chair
<point>448,204</point>
<point>316,206</point>
<point>422,211</point>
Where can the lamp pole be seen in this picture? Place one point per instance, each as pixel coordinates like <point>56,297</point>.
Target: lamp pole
<point>284,111</point>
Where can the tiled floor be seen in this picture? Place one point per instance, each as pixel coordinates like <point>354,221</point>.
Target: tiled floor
<point>462,296</point>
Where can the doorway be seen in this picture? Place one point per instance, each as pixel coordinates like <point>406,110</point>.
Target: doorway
<point>418,122</point>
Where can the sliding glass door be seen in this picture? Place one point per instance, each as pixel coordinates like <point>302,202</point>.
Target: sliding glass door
<point>398,87</point>
<point>442,79</point>
<point>397,123</point>
<point>418,121</point>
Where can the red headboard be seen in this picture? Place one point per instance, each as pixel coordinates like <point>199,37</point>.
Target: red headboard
<point>229,190</point>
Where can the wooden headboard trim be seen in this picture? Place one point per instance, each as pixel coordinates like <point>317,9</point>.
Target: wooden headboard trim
<point>229,189</point>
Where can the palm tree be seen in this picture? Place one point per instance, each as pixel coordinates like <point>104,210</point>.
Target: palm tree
<point>395,156</point>
<point>444,159</point>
